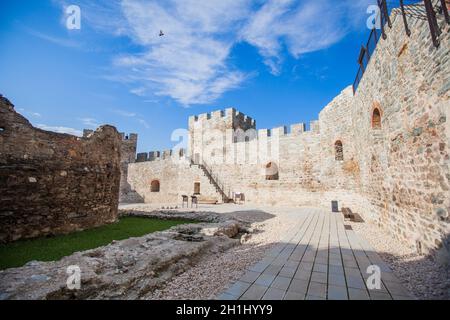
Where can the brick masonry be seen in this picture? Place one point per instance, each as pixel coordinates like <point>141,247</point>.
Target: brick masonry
<point>53,183</point>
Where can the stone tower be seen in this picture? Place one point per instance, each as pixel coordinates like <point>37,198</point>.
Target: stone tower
<point>128,155</point>
<point>211,133</point>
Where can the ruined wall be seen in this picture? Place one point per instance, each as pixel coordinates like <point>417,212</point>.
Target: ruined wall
<point>54,183</point>
<point>127,155</point>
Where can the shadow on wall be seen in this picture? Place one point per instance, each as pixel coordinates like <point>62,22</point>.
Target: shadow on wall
<point>442,255</point>
<point>130,196</point>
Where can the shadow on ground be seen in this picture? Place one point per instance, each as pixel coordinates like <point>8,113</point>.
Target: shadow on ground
<point>303,272</point>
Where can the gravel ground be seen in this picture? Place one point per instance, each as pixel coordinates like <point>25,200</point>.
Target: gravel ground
<point>211,276</point>
<point>422,276</point>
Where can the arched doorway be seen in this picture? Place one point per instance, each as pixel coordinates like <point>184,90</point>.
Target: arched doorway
<point>339,150</point>
<point>376,119</point>
<point>197,188</point>
<point>154,187</point>
<point>272,171</point>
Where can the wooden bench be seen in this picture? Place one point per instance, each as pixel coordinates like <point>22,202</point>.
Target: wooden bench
<point>206,200</point>
<point>352,216</point>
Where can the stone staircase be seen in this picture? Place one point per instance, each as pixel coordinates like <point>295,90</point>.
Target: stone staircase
<point>214,181</point>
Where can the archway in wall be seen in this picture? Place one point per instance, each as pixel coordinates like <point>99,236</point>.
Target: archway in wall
<point>376,118</point>
<point>197,188</point>
<point>339,150</point>
<point>154,187</point>
<point>271,171</point>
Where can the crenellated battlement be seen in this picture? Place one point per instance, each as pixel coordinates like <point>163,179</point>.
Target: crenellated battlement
<point>130,137</point>
<point>214,115</point>
<point>292,130</point>
<point>241,120</point>
<point>238,120</point>
<point>161,155</point>
<point>230,115</point>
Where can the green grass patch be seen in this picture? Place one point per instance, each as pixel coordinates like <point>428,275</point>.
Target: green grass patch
<point>18,253</point>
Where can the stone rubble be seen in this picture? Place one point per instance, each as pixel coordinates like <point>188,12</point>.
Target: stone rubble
<point>127,269</point>
<point>212,275</point>
<point>425,277</point>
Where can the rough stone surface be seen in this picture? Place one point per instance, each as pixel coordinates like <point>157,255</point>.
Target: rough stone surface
<point>128,155</point>
<point>144,210</point>
<point>127,269</point>
<point>53,183</point>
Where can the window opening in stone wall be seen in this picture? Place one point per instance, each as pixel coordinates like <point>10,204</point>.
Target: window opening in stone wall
<point>376,119</point>
<point>197,188</point>
<point>272,171</point>
<point>155,186</point>
<point>339,150</point>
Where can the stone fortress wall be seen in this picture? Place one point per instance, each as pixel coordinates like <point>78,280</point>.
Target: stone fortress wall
<point>53,183</point>
<point>127,155</point>
<point>405,166</point>
<point>395,172</point>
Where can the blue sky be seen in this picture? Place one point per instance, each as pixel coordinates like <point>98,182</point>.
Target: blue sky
<point>280,61</point>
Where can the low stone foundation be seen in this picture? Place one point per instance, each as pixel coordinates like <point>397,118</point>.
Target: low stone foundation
<point>126,269</point>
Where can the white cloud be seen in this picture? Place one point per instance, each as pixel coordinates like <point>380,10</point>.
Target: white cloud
<point>90,122</point>
<point>36,114</point>
<point>125,113</point>
<point>144,123</point>
<point>191,62</point>
<point>140,92</point>
<point>58,129</point>
<point>138,117</point>
<point>30,113</point>
<point>299,27</point>
<point>68,43</point>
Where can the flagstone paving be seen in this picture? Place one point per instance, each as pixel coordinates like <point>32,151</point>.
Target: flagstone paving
<point>318,258</point>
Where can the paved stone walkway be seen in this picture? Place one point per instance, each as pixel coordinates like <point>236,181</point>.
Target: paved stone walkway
<point>318,259</point>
